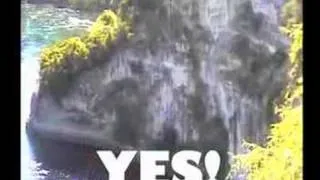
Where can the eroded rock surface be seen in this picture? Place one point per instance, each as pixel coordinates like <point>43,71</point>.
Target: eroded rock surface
<point>207,69</point>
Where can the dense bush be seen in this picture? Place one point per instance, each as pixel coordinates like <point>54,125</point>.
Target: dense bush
<point>55,56</point>
<point>281,157</point>
<point>105,30</point>
<point>64,59</point>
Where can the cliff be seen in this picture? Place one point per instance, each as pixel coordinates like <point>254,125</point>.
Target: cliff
<point>198,74</point>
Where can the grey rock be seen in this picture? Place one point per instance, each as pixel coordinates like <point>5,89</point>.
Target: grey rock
<point>213,96</point>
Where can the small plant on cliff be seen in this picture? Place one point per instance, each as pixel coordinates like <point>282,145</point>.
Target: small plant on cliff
<point>105,30</point>
<point>292,12</point>
<point>54,57</point>
<point>281,158</point>
<point>63,59</point>
<point>58,61</point>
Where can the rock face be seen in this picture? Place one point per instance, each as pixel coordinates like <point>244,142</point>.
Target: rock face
<point>199,74</point>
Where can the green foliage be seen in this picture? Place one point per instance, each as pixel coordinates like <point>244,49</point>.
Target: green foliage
<point>294,88</point>
<point>64,59</point>
<point>105,29</point>
<point>57,62</point>
<point>55,56</point>
<point>292,12</point>
<point>281,157</point>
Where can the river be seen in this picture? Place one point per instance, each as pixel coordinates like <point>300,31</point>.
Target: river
<point>42,158</point>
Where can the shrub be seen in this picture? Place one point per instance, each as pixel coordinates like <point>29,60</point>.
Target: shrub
<point>105,30</point>
<point>61,61</point>
<point>54,57</point>
<point>58,62</point>
<point>292,12</point>
<point>281,159</point>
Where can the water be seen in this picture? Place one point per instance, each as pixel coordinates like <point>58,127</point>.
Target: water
<point>45,159</point>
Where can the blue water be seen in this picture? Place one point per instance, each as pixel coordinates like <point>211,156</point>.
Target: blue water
<point>42,158</point>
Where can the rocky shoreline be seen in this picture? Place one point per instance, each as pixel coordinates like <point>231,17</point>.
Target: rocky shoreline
<point>71,135</point>
<point>56,3</point>
<point>82,5</point>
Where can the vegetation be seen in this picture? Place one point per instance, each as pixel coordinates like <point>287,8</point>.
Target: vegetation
<point>281,157</point>
<point>63,59</point>
<point>292,12</point>
<point>105,30</point>
<point>54,57</point>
